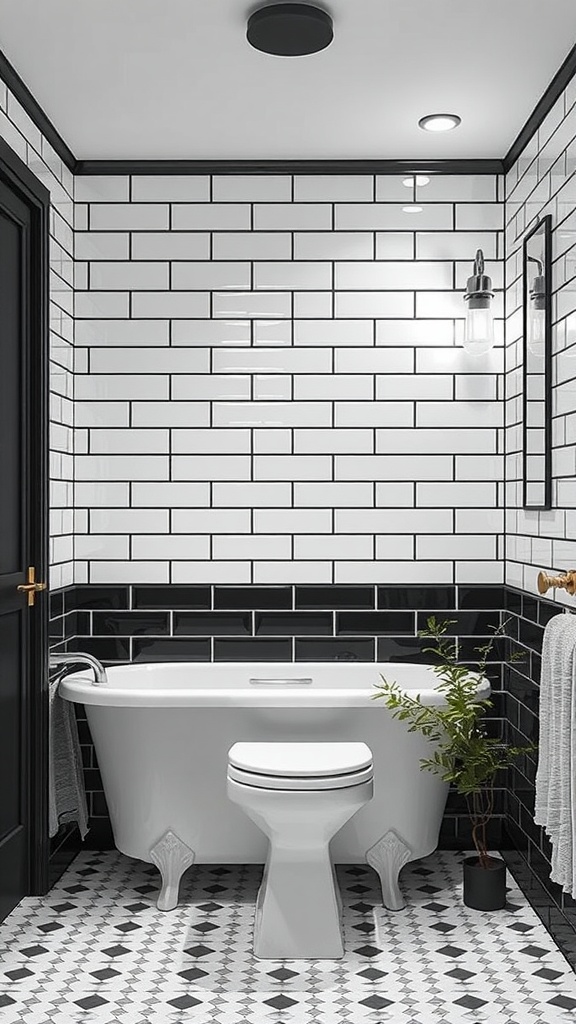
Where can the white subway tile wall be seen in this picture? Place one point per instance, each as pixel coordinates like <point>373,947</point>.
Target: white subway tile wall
<point>270,385</point>
<point>541,182</point>
<point>24,138</point>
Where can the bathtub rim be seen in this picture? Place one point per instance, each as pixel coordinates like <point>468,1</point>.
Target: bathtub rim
<point>79,688</point>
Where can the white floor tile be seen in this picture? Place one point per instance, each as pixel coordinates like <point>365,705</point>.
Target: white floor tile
<point>97,950</point>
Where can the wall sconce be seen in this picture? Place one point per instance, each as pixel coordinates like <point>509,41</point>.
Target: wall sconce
<point>536,325</point>
<point>479,327</point>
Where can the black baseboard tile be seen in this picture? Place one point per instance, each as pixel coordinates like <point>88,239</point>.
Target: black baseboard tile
<point>99,835</point>
<point>64,847</point>
<point>561,925</point>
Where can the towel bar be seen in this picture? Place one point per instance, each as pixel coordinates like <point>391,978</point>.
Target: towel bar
<point>566,581</point>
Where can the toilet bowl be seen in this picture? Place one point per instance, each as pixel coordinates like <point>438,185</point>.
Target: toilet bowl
<point>299,795</point>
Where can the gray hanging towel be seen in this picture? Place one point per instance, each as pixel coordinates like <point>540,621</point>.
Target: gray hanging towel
<point>66,793</point>
<point>555,807</point>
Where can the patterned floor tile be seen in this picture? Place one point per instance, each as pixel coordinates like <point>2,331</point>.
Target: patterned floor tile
<point>96,950</point>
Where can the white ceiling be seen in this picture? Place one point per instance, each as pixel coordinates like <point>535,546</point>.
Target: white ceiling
<point>168,79</point>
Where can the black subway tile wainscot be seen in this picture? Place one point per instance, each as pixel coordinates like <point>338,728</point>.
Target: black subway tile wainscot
<point>56,604</point>
<point>473,623</point>
<point>77,622</point>
<point>253,649</point>
<point>104,648</point>
<point>212,623</point>
<point>472,649</point>
<point>293,623</point>
<point>374,623</point>
<point>547,611</point>
<point>529,607</point>
<point>252,597</point>
<point>481,597</point>
<point>333,649</point>
<point>96,596</point>
<point>334,597</point>
<point>171,649</point>
<point>403,648</point>
<point>530,634</point>
<point>130,623</point>
<point>513,602</point>
<point>171,597</point>
<point>56,629</point>
<point>416,597</point>
<point>341,623</point>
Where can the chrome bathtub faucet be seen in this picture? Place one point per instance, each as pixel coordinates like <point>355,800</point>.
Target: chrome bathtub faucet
<point>100,677</point>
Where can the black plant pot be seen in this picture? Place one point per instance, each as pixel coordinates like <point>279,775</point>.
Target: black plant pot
<point>485,888</point>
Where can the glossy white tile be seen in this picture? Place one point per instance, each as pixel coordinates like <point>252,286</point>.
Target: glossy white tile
<point>152,188</point>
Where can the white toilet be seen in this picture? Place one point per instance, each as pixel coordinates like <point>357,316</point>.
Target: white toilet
<point>300,795</point>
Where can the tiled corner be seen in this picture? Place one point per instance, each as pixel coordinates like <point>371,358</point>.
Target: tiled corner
<point>541,183</point>
<point>526,618</point>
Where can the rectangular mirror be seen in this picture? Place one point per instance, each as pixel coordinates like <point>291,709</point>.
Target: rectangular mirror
<point>537,365</point>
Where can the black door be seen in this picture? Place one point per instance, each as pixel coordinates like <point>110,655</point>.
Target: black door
<point>23,692</point>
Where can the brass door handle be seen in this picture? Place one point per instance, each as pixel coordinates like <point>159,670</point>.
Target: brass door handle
<point>31,588</point>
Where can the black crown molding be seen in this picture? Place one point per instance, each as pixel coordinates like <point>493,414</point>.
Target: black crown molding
<point>287,166</point>
<point>35,112</point>
<point>481,166</point>
<point>561,79</point>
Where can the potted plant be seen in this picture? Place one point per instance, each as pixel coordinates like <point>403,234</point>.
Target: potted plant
<point>463,754</point>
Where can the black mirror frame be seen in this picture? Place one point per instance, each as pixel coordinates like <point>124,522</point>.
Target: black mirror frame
<point>543,225</point>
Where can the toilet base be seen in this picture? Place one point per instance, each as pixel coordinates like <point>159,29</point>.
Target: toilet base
<point>298,910</point>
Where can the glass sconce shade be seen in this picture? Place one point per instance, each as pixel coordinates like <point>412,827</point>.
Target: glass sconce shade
<point>479,328</point>
<point>536,326</point>
<point>479,331</point>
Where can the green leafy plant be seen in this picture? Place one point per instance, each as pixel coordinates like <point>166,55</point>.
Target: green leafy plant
<point>464,754</point>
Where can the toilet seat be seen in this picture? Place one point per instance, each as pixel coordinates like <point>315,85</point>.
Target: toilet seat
<point>300,766</point>
<point>304,783</point>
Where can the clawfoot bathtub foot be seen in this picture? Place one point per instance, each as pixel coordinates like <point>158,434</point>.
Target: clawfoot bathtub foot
<point>388,856</point>
<point>171,856</point>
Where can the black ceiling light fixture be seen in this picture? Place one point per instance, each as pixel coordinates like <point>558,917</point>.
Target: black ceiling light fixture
<point>290,30</point>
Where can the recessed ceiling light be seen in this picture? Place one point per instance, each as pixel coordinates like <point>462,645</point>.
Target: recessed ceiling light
<point>290,30</point>
<point>417,179</point>
<point>439,122</point>
<point>411,209</point>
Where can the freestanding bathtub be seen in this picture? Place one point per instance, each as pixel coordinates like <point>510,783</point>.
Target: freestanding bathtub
<point>162,733</point>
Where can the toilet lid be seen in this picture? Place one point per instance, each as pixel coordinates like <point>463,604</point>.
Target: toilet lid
<point>301,760</point>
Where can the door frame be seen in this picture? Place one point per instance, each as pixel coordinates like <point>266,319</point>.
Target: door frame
<point>30,190</point>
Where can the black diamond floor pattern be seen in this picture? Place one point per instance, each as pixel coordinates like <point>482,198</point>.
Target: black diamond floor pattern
<point>436,962</point>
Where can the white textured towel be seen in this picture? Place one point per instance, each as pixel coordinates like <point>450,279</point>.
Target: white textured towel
<point>66,794</point>
<point>556,776</point>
